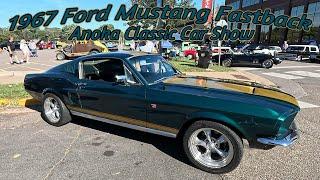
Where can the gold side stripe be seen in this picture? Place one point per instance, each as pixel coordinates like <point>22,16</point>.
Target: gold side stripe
<point>125,119</point>
<point>276,95</point>
<point>238,87</point>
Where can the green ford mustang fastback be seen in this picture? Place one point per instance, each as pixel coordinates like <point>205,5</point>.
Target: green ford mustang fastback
<point>211,117</point>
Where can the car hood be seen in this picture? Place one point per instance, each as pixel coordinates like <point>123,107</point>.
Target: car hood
<point>246,87</point>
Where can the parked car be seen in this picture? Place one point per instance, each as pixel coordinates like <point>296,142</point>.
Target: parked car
<point>191,53</point>
<point>80,48</point>
<point>46,45</point>
<point>300,53</point>
<point>274,50</point>
<point>256,49</point>
<point>215,50</point>
<point>247,59</point>
<point>144,92</point>
<point>111,46</point>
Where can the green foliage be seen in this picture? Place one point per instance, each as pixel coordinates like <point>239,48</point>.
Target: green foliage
<point>45,34</point>
<point>187,65</point>
<point>171,23</point>
<point>13,91</point>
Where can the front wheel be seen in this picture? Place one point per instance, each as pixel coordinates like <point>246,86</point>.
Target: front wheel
<point>54,110</point>
<point>93,52</point>
<point>267,64</point>
<point>212,147</point>
<point>60,56</point>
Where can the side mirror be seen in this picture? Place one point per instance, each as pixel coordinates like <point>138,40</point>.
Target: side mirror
<point>121,79</point>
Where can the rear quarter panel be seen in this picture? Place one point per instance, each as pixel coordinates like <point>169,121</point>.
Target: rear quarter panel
<point>60,84</point>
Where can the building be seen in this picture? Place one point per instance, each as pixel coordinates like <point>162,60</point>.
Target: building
<point>272,35</point>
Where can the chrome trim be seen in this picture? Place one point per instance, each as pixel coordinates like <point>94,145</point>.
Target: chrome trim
<point>287,141</point>
<point>139,128</point>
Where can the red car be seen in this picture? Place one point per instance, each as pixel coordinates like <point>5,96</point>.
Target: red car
<point>191,52</point>
<point>46,45</point>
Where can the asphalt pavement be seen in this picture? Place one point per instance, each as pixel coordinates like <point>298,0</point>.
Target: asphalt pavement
<point>87,149</point>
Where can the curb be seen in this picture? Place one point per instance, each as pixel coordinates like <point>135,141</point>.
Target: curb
<point>25,102</point>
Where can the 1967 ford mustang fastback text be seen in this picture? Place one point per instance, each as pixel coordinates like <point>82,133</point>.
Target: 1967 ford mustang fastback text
<point>144,92</point>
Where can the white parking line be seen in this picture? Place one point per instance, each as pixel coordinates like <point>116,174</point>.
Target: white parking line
<point>278,67</point>
<point>304,73</point>
<point>284,76</point>
<point>304,105</point>
<point>41,64</point>
<point>295,67</point>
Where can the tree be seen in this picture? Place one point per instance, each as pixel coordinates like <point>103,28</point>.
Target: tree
<point>172,23</point>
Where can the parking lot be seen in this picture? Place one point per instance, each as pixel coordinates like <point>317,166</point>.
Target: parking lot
<point>46,59</point>
<point>87,149</point>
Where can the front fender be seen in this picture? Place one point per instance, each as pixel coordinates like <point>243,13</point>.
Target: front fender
<point>220,118</point>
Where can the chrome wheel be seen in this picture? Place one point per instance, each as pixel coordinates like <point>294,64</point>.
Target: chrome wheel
<point>211,148</point>
<point>52,110</point>
<point>267,63</point>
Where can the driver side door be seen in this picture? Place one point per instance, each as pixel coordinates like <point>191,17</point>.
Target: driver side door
<point>102,96</point>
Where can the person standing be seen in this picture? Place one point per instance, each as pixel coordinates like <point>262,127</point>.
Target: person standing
<point>12,53</point>
<point>25,50</point>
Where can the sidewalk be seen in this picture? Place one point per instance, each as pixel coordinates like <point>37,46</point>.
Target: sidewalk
<point>14,77</point>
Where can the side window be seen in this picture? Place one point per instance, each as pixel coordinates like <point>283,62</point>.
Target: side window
<point>313,49</point>
<point>307,49</point>
<point>103,69</point>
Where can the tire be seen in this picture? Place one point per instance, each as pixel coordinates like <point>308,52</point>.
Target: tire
<point>267,64</point>
<point>230,142</point>
<point>94,52</point>
<point>60,56</point>
<point>312,60</point>
<point>50,102</point>
<point>226,62</point>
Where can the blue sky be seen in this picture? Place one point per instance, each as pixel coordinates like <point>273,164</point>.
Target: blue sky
<point>11,8</point>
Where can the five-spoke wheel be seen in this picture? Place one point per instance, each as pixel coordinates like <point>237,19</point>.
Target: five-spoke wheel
<point>210,148</point>
<point>54,110</point>
<point>213,147</point>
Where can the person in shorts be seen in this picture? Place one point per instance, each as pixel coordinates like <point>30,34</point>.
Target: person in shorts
<point>25,50</point>
<point>12,53</point>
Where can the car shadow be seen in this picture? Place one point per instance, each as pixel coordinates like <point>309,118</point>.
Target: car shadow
<point>170,146</point>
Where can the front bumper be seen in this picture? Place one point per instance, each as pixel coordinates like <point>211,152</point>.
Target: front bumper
<point>277,60</point>
<point>288,140</point>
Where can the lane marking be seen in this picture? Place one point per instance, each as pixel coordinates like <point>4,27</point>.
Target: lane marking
<point>293,67</point>
<point>304,73</point>
<point>284,76</point>
<point>305,105</point>
<point>40,64</point>
<point>280,67</point>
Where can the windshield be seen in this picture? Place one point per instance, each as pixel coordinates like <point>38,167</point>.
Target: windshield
<point>153,68</point>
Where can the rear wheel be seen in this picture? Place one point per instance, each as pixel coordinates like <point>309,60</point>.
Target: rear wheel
<point>226,62</point>
<point>267,63</point>
<point>54,110</point>
<point>212,147</point>
<point>60,56</point>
